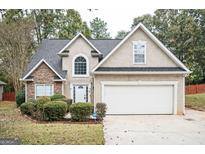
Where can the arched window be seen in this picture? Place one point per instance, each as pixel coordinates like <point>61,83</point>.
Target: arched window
<point>80,66</point>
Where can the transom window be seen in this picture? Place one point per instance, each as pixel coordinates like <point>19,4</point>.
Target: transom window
<point>44,90</point>
<point>80,66</point>
<point>139,49</point>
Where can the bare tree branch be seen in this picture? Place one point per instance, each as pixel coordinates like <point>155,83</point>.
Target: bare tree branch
<point>16,43</point>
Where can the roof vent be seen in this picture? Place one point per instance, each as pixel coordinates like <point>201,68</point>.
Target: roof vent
<point>65,51</point>
<point>94,53</point>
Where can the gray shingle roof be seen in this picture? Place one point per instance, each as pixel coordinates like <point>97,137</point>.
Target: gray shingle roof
<point>49,48</point>
<point>105,46</point>
<point>140,69</point>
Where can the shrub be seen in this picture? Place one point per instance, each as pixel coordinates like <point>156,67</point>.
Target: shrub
<point>28,108</point>
<point>68,102</point>
<point>32,100</point>
<point>57,97</point>
<point>39,114</point>
<point>20,98</point>
<point>81,111</point>
<point>54,110</point>
<point>41,101</point>
<point>101,110</point>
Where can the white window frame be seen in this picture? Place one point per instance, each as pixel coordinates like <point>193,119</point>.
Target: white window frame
<point>137,42</point>
<point>43,85</point>
<point>87,66</point>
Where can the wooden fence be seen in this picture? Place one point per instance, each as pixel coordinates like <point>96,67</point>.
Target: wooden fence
<point>9,96</point>
<point>195,89</point>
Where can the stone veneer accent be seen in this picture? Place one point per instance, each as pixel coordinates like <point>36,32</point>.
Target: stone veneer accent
<point>42,75</point>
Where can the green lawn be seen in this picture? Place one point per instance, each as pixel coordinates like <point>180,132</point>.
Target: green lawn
<point>14,125</point>
<point>196,101</point>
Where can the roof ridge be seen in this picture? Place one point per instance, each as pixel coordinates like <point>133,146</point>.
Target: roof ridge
<point>48,49</point>
<point>104,39</point>
<point>70,39</point>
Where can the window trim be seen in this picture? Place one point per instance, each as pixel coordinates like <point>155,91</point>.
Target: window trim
<point>133,54</point>
<point>73,66</point>
<point>52,85</point>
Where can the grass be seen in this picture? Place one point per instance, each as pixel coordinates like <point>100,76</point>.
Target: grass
<point>15,125</point>
<point>196,101</point>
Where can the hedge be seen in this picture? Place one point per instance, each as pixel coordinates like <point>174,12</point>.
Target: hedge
<point>81,111</point>
<point>28,108</point>
<point>41,101</point>
<point>101,110</point>
<point>57,97</point>
<point>20,98</point>
<point>54,110</point>
<point>39,114</point>
<point>68,102</point>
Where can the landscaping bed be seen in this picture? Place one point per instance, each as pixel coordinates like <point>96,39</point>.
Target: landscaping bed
<point>58,108</point>
<point>63,121</point>
<point>196,101</point>
<point>14,125</point>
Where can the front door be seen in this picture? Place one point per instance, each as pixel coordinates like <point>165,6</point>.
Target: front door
<point>80,93</point>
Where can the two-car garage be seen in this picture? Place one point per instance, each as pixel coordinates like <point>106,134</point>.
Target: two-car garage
<point>140,97</point>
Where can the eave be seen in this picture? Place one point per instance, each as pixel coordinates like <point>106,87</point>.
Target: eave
<point>124,73</point>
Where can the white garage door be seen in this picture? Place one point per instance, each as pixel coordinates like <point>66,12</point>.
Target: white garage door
<point>139,99</point>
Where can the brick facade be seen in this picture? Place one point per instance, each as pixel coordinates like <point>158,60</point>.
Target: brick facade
<point>58,87</point>
<point>42,75</point>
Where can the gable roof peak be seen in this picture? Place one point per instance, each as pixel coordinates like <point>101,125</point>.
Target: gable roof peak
<point>149,34</point>
<point>37,65</point>
<point>73,40</point>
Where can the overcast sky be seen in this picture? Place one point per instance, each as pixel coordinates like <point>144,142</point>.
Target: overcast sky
<point>117,19</point>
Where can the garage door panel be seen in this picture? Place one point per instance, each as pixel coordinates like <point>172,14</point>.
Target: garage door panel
<point>139,99</point>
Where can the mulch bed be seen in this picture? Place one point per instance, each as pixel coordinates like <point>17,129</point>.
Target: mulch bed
<point>70,122</point>
<point>63,121</point>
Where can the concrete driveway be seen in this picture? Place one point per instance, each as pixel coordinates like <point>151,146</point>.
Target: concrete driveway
<point>156,129</point>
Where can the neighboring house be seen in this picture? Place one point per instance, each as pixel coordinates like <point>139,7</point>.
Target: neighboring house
<point>135,75</point>
<point>1,89</point>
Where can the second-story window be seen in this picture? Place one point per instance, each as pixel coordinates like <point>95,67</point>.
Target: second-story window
<point>80,66</point>
<point>139,51</point>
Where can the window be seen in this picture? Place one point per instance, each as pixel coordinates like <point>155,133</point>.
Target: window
<point>44,90</point>
<point>139,49</point>
<point>80,66</point>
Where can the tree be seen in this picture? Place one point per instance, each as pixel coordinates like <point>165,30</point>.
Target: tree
<point>121,34</point>
<point>16,45</point>
<point>99,29</point>
<point>45,25</point>
<point>72,24</point>
<point>86,30</point>
<point>12,14</point>
<point>21,30</point>
<point>199,18</point>
<point>50,23</point>
<point>180,32</point>
<point>146,19</point>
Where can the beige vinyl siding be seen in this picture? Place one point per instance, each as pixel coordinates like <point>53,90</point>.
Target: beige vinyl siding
<point>79,46</point>
<point>123,56</point>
